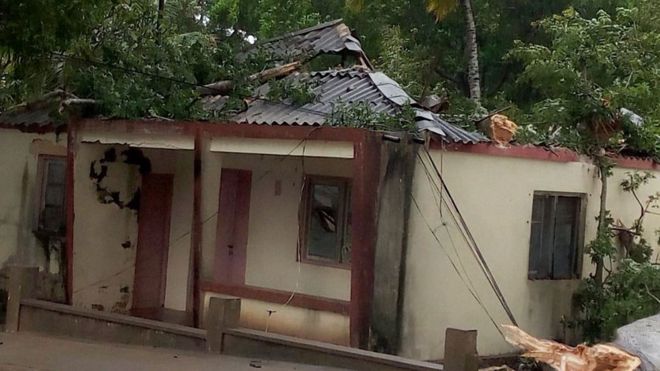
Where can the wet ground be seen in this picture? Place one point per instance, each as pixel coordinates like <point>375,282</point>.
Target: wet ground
<point>26,351</point>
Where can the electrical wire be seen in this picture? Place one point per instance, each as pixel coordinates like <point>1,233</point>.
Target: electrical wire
<point>187,233</point>
<point>434,187</point>
<point>474,248</point>
<point>298,246</point>
<point>453,264</point>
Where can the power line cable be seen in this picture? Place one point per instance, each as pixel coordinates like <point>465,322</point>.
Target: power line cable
<point>208,219</point>
<point>453,264</point>
<point>473,244</point>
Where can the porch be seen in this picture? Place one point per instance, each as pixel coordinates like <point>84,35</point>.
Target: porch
<point>170,214</point>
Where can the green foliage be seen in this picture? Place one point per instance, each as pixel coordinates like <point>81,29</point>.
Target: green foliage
<point>361,115</point>
<point>136,69</point>
<point>589,69</point>
<point>264,18</point>
<point>630,293</point>
<point>402,64</point>
<point>632,288</point>
<point>291,91</point>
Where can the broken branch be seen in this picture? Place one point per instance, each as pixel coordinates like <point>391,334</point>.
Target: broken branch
<point>226,86</point>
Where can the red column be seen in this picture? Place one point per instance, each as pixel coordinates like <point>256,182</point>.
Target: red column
<point>196,237</point>
<point>72,139</point>
<point>366,175</point>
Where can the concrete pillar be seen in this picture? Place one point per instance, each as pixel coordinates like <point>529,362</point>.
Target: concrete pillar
<point>397,172</point>
<point>22,285</point>
<point>223,313</point>
<point>461,350</point>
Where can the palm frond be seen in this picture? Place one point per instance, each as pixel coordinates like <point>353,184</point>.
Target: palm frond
<point>440,8</point>
<point>355,6</point>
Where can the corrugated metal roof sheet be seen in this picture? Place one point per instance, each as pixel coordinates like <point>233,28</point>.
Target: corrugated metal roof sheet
<point>346,86</point>
<point>329,37</point>
<point>34,116</point>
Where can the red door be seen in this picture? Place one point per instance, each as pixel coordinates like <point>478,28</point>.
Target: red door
<point>232,228</point>
<point>153,241</point>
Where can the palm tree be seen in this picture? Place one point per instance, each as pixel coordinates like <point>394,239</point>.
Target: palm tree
<point>440,9</point>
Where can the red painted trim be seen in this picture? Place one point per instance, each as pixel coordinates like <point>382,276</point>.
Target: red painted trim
<point>279,297</point>
<point>527,151</point>
<point>34,128</point>
<point>366,176</point>
<point>72,138</point>
<point>232,227</point>
<point>226,129</point>
<point>194,301</point>
<point>543,153</point>
<point>636,163</point>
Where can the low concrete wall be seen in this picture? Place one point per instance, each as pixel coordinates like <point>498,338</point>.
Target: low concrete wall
<point>63,320</point>
<point>251,343</point>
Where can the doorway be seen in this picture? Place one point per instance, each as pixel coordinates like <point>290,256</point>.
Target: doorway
<point>153,244</point>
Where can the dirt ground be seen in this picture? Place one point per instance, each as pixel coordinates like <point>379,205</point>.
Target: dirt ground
<point>26,351</point>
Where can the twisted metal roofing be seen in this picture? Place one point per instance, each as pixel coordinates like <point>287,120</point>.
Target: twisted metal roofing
<point>324,38</point>
<point>348,86</point>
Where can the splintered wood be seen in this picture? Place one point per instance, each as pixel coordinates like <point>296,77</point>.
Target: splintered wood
<point>565,358</point>
<point>499,128</point>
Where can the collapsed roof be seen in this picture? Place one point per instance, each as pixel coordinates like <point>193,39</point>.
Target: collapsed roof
<point>359,84</point>
<point>332,88</point>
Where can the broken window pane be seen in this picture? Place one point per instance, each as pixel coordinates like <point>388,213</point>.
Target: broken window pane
<point>327,227</point>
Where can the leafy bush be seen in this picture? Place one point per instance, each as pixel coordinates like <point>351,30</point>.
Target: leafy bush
<point>628,294</point>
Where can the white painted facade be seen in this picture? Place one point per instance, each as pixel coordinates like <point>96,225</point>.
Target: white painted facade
<point>104,269</point>
<point>495,194</point>
<point>19,195</point>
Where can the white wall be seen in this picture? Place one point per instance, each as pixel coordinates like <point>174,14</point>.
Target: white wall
<point>272,242</point>
<point>495,196</point>
<point>273,226</point>
<point>19,193</point>
<point>102,266</point>
<point>293,321</point>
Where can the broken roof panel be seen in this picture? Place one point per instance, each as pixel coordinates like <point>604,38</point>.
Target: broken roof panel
<point>39,115</point>
<point>347,86</point>
<point>329,37</point>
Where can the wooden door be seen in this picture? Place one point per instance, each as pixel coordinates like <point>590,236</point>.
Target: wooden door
<point>153,241</point>
<point>232,228</point>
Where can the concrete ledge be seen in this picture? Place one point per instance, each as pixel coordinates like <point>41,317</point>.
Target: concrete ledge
<point>116,318</point>
<point>63,320</point>
<point>253,343</point>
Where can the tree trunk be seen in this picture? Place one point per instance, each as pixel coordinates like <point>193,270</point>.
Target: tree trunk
<point>472,52</point>
<point>159,16</point>
<point>602,224</point>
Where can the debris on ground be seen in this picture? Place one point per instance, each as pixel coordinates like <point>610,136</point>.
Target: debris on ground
<point>562,357</point>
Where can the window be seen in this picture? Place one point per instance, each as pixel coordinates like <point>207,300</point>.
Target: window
<point>51,216</point>
<point>326,228</point>
<point>557,225</point>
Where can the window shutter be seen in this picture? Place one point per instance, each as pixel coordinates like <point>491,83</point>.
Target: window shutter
<point>540,255</point>
<point>565,244</point>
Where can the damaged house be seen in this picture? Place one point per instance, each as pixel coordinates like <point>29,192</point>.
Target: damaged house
<point>325,229</point>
